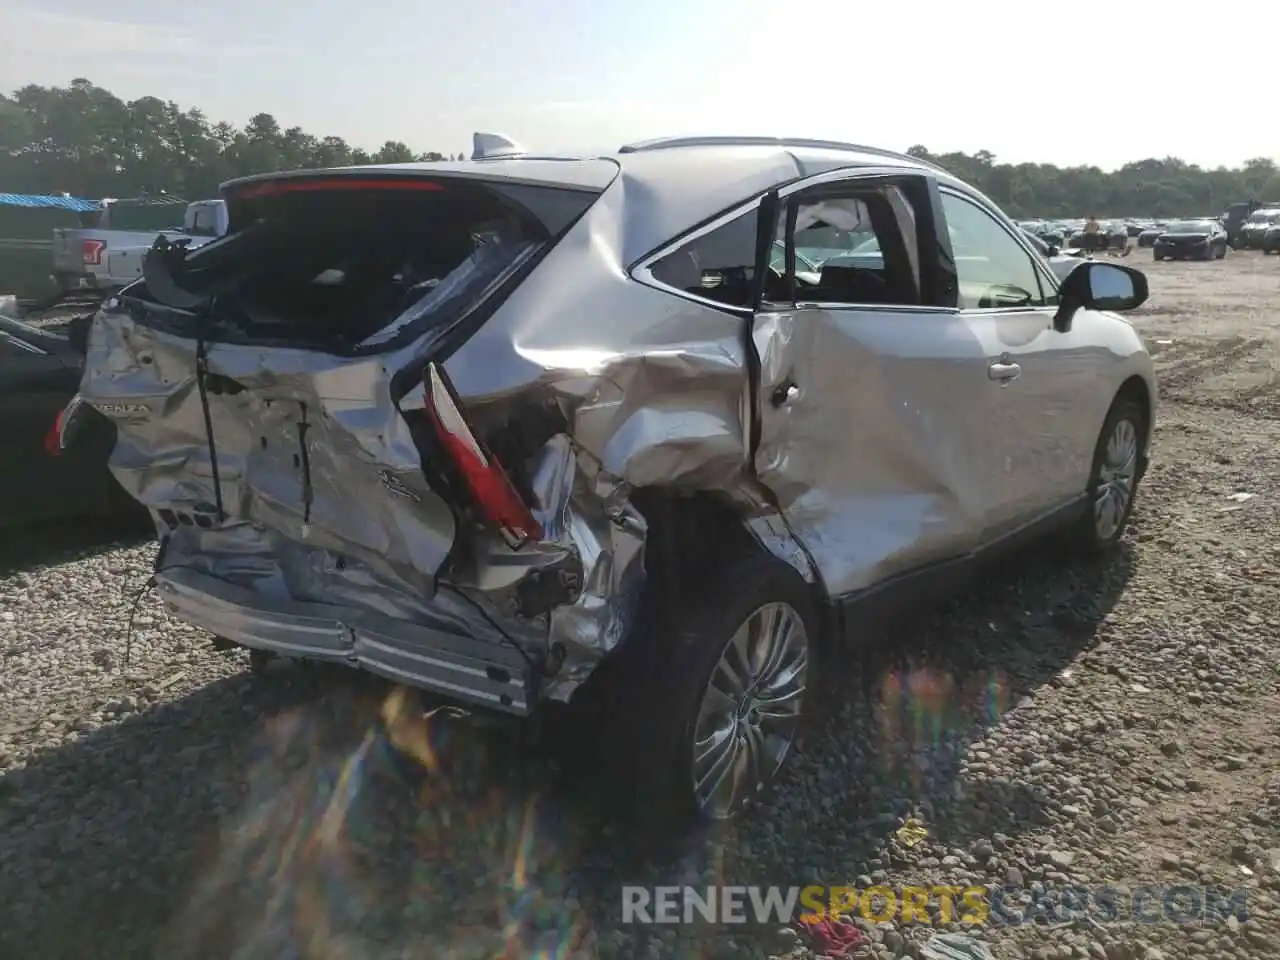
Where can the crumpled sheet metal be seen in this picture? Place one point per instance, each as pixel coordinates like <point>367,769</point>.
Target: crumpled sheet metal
<point>653,385</point>
<point>591,516</point>
<point>356,443</point>
<point>380,557</point>
<point>654,390</point>
<point>907,495</point>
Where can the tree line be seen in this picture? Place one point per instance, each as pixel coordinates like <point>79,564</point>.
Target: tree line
<point>1167,187</point>
<point>84,140</point>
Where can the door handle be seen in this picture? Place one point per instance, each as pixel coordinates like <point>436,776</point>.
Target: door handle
<point>1004,372</point>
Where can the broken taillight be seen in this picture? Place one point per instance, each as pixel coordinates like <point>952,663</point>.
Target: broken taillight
<point>491,489</point>
<point>91,252</point>
<point>63,430</point>
<point>53,439</point>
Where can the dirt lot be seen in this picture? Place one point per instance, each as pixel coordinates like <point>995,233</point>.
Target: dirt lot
<point>1065,727</point>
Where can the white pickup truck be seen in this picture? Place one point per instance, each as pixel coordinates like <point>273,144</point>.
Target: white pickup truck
<point>102,258</point>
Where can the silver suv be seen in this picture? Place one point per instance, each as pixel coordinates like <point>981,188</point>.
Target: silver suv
<point>646,433</point>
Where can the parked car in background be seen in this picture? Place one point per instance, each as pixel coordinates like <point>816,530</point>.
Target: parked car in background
<point>26,247</point>
<point>1191,240</point>
<point>1255,227</point>
<point>107,254</point>
<point>40,372</point>
<point>1061,262</point>
<point>1114,233</point>
<point>1271,239</point>
<point>1052,232</point>
<point>1234,217</point>
<point>1148,237</point>
<point>381,423</point>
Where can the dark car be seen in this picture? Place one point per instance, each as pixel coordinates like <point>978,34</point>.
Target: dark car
<point>1110,236</point>
<point>1271,239</point>
<point>39,375</point>
<point>1054,234</point>
<point>1191,240</point>
<point>1046,230</point>
<point>1255,227</point>
<point>1148,237</point>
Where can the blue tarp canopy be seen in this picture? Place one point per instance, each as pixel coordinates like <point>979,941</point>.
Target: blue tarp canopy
<point>74,204</point>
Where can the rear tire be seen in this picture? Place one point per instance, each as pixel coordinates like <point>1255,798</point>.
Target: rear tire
<point>723,694</point>
<point>1118,460</point>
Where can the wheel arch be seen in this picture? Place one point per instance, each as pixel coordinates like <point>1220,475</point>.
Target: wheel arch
<point>1139,390</point>
<point>691,534</point>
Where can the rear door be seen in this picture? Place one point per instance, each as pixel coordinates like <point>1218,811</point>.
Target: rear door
<point>873,395</point>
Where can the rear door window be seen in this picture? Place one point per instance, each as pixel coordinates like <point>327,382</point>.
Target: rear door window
<point>859,237</point>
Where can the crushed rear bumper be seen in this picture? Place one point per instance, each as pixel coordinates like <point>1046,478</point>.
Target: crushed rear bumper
<point>433,659</point>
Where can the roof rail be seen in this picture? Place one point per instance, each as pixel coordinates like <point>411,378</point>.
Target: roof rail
<point>665,143</point>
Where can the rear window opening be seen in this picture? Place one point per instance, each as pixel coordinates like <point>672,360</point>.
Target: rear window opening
<point>342,265</point>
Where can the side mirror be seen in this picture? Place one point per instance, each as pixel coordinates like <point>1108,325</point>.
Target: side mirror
<point>1094,285</point>
<point>1053,250</point>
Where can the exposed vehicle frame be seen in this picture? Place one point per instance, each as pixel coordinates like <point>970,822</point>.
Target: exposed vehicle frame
<point>638,470</point>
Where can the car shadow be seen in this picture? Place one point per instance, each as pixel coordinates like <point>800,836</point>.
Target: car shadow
<point>907,706</point>
<point>51,542</point>
<point>264,814</point>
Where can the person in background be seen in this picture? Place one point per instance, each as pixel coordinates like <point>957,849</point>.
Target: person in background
<point>1092,235</point>
<point>1122,239</point>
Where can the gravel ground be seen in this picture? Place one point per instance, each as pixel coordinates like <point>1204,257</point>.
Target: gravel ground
<point>1114,724</point>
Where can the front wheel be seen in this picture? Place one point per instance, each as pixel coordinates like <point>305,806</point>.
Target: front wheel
<point>726,692</point>
<point>1113,481</point>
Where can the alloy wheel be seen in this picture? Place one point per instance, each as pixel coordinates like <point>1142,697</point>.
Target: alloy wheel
<point>1116,477</point>
<point>750,709</point>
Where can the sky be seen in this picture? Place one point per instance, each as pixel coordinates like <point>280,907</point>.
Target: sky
<point>1026,80</point>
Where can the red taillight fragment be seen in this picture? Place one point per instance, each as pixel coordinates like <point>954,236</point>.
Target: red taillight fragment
<point>489,486</point>
<point>91,252</point>
<point>53,439</point>
<point>271,188</point>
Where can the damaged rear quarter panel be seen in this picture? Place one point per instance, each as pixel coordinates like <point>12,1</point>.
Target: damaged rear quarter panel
<point>653,384</point>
